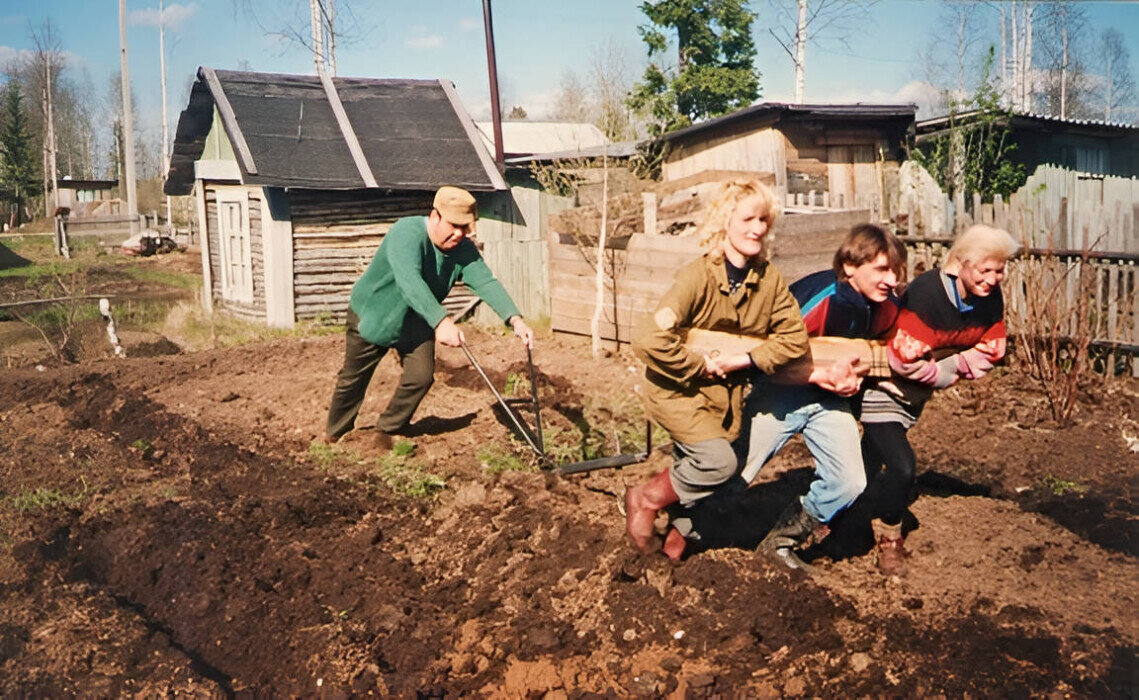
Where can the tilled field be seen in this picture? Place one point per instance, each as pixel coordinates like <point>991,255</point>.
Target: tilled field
<point>167,527</point>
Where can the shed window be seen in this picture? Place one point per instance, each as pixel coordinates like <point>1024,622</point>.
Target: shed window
<point>233,235</point>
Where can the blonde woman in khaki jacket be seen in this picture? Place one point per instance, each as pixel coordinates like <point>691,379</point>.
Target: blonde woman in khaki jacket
<point>698,399</point>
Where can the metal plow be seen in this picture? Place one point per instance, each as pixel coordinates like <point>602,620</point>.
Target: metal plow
<point>533,437</point>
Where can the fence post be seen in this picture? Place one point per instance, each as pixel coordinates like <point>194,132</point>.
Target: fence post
<point>649,200</point>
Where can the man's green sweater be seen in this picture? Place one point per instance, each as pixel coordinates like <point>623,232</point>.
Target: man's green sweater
<point>397,298</point>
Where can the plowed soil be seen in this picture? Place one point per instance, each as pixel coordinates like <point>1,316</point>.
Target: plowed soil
<point>167,527</point>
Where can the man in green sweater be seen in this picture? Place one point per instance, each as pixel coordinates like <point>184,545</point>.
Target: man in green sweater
<point>396,305</point>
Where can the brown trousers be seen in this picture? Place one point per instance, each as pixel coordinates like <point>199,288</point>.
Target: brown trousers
<point>360,361</point>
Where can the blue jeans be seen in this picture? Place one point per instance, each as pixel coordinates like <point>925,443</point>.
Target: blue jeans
<point>778,412</point>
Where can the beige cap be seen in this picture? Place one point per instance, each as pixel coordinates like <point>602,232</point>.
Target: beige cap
<point>456,205</point>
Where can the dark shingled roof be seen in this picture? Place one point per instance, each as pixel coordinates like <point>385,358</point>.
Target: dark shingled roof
<point>773,111</point>
<point>414,134</point>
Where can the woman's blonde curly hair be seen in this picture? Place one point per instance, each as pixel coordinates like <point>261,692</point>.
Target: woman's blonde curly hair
<point>715,225</point>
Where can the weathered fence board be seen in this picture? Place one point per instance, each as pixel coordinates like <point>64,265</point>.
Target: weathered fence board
<point>1056,208</point>
<point>640,268</point>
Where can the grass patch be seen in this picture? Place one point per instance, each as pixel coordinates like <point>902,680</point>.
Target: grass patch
<point>164,277</point>
<point>326,456</point>
<point>496,460</point>
<point>403,448</point>
<point>55,315</point>
<point>41,498</point>
<point>516,384</point>
<point>37,272</point>
<point>200,330</point>
<point>1059,487</point>
<point>408,478</point>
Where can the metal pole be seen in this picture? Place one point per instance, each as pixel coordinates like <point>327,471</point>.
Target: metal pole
<point>534,396</point>
<point>128,132</point>
<point>165,122</point>
<point>505,406</point>
<point>492,68</point>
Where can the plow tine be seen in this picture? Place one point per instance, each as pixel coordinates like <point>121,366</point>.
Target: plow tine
<point>602,463</point>
<point>506,407</point>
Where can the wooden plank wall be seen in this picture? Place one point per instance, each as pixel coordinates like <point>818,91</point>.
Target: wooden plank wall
<point>512,232</point>
<point>335,236</point>
<point>639,273</point>
<point>254,311</point>
<point>761,150</point>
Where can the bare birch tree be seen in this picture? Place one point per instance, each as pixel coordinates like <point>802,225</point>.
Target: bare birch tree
<point>828,24</point>
<point>47,63</point>
<point>1065,32</point>
<point>1117,91</point>
<point>318,26</point>
<point>1020,87</point>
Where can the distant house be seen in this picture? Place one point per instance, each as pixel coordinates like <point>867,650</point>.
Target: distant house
<point>297,179</point>
<point>846,150</point>
<point>522,138</point>
<point>1091,146</point>
<point>79,194</point>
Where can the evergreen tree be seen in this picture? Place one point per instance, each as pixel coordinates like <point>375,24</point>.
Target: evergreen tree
<point>715,66</point>
<point>19,171</point>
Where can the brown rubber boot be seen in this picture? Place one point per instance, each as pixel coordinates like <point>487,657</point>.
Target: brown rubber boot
<point>641,506</point>
<point>891,548</point>
<point>674,544</point>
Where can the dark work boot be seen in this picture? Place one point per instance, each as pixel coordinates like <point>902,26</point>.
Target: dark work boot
<point>641,506</point>
<point>891,548</point>
<point>792,530</point>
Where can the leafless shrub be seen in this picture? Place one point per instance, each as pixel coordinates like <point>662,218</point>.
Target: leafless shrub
<point>66,305</point>
<point>1058,310</point>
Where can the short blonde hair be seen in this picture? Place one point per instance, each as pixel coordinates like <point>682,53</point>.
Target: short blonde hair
<point>980,242</point>
<point>715,225</point>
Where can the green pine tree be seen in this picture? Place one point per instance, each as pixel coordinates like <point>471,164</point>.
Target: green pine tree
<point>19,171</point>
<point>715,69</point>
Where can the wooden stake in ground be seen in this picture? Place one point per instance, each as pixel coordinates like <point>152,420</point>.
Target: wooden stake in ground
<point>599,300</point>
<point>105,310</point>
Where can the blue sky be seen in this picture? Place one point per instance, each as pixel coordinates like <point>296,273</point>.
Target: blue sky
<point>537,40</point>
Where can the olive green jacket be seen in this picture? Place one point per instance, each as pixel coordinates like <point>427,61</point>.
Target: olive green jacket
<point>676,395</point>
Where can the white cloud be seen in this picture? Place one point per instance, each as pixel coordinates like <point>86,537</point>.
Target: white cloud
<point>539,105</point>
<point>427,41</point>
<point>174,14</point>
<point>9,55</point>
<point>469,24</point>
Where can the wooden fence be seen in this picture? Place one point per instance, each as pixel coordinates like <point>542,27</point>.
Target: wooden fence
<point>512,233</point>
<point>641,267</point>
<point>1056,209</point>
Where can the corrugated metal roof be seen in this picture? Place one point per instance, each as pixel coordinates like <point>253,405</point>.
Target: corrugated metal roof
<point>523,138</point>
<point>938,122</point>
<point>776,110</point>
<point>413,134</point>
<point>619,149</point>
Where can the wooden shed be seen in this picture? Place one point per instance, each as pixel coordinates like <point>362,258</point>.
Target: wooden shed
<point>845,150</point>
<point>1089,146</point>
<point>297,178</point>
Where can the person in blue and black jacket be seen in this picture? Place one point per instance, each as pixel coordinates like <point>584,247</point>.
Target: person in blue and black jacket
<point>854,299</point>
